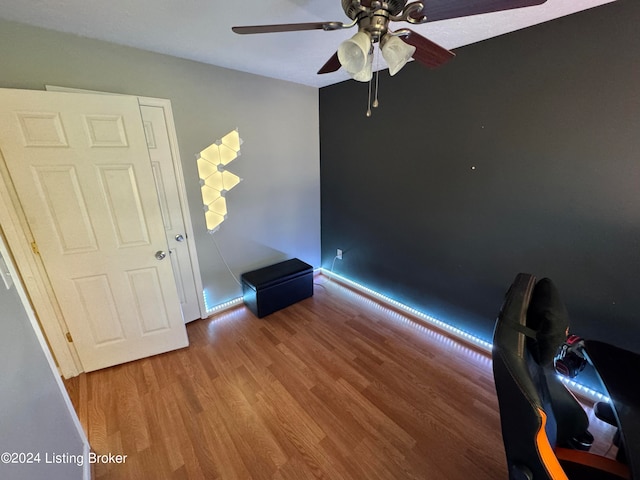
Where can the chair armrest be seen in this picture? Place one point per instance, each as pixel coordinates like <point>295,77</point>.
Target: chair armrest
<point>604,464</point>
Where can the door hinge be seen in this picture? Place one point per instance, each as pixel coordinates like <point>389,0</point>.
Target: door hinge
<point>34,247</point>
<point>69,337</point>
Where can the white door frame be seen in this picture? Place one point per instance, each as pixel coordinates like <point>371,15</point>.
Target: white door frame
<point>182,193</point>
<point>33,274</point>
<point>31,268</point>
<point>24,298</point>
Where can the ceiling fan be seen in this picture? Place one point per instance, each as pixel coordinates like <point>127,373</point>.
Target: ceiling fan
<point>372,18</point>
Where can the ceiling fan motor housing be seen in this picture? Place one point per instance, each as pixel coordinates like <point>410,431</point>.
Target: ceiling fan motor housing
<point>354,8</point>
<point>376,26</point>
<point>373,16</point>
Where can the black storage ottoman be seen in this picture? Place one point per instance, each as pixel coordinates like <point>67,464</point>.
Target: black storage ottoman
<point>277,286</point>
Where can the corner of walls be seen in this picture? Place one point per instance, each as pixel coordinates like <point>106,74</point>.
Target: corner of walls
<point>275,212</point>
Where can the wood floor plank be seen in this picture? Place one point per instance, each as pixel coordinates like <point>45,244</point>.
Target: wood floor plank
<point>334,387</point>
<point>159,422</point>
<point>182,433</point>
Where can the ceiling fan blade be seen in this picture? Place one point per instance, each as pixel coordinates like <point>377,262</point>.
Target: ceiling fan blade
<point>444,9</point>
<point>427,52</point>
<point>287,27</point>
<point>332,65</point>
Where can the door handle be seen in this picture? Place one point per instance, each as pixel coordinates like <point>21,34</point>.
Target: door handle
<point>160,255</point>
<point>179,238</point>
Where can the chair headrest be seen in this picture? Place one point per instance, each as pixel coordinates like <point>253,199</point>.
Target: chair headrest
<point>548,316</point>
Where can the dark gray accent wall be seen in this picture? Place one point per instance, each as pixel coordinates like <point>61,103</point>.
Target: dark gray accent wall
<point>521,155</point>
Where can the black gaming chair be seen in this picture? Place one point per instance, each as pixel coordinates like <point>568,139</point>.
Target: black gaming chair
<point>544,428</point>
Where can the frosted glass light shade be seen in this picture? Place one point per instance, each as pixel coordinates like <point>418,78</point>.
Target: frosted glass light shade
<point>396,53</point>
<point>366,73</point>
<point>353,53</point>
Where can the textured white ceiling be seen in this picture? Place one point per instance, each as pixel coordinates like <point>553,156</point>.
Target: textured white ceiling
<point>201,29</point>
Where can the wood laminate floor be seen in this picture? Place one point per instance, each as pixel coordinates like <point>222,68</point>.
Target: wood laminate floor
<point>333,387</point>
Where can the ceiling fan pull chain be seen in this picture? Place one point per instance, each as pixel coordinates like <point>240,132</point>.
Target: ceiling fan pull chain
<point>375,96</point>
<point>369,99</point>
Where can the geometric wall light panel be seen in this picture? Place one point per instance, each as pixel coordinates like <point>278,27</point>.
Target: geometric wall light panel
<point>215,180</point>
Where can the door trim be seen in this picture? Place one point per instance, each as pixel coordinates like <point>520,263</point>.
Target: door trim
<point>33,274</point>
<point>165,104</point>
<point>35,324</point>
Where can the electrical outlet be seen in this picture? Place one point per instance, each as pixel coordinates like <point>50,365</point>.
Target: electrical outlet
<point>339,254</point>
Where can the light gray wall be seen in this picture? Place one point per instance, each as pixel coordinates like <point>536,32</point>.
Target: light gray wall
<point>274,213</point>
<point>33,415</point>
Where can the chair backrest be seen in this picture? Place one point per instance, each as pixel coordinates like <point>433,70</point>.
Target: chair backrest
<point>536,411</point>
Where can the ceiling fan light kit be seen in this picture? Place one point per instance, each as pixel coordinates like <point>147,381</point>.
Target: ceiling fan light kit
<point>354,53</point>
<point>366,73</point>
<point>372,17</point>
<point>396,53</point>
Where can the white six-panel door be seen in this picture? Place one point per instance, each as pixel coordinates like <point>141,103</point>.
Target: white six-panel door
<point>81,169</point>
<point>165,162</point>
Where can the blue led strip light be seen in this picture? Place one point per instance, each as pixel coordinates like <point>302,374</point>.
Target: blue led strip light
<point>584,391</point>
<point>486,346</point>
<point>576,387</point>
<point>220,307</point>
